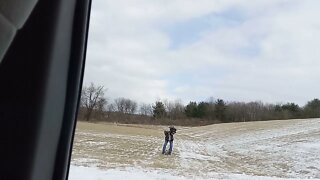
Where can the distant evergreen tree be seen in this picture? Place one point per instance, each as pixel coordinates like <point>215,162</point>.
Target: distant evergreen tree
<point>278,108</point>
<point>312,109</point>
<point>191,109</point>
<point>220,110</point>
<point>291,110</point>
<point>159,110</point>
<point>203,109</point>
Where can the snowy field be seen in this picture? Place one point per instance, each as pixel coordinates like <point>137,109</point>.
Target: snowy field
<point>255,150</point>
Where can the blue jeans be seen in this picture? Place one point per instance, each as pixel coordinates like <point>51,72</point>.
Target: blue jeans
<point>165,146</point>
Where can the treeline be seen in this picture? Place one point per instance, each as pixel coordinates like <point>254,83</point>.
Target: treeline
<point>94,106</point>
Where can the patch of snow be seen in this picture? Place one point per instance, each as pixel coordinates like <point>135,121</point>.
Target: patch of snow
<point>94,173</point>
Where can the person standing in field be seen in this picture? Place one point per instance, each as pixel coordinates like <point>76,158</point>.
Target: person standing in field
<point>168,138</point>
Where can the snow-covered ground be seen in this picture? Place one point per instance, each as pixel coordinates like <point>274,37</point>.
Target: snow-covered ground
<point>85,173</point>
<point>254,150</point>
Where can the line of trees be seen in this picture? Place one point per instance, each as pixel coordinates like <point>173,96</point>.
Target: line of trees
<point>94,106</point>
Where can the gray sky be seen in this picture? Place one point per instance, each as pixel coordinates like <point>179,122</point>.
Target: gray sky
<point>239,50</point>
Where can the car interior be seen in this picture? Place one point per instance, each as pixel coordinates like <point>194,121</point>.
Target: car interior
<point>42,56</point>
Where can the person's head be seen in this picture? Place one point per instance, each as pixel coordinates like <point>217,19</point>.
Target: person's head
<point>173,130</point>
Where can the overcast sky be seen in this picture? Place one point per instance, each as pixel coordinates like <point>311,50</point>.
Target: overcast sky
<point>237,50</point>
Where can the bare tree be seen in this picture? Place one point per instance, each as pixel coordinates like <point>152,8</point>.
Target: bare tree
<point>133,107</point>
<point>101,104</point>
<point>146,109</point>
<point>251,111</point>
<point>174,109</point>
<point>126,106</point>
<point>101,107</point>
<point>92,98</point>
<point>110,108</point>
<point>119,104</point>
<point>169,106</point>
<point>177,109</point>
